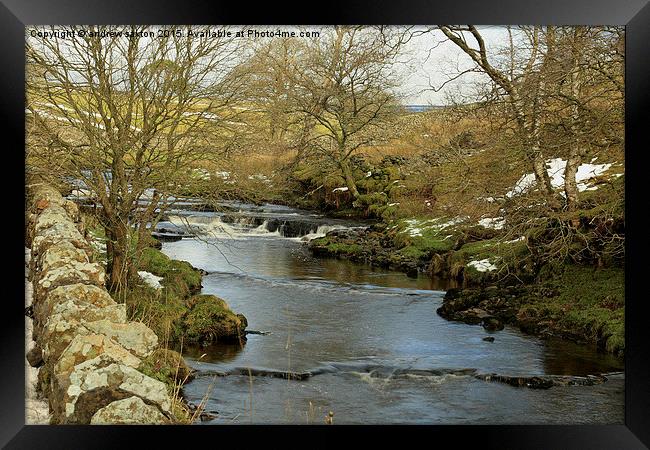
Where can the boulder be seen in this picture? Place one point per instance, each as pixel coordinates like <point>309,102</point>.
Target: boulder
<point>49,217</point>
<point>491,323</point>
<point>80,293</point>
<point>86,347</point>
<point>95,383</point>
<point>61,231</point>
<point>58,255</point>
<point>58,333</point>
<point>129,411</point>
<point>133,336</point>
<point>62,327</point>
<point>73,212</point>
<point>211,320</point>
<point>168,366</point>
<point>44,196</point>
<point>72,272</point>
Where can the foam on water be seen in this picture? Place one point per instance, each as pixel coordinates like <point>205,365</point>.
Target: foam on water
<point>242,227</point>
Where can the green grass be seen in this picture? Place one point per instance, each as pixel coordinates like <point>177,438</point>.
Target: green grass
<point>422,238</point>
<point>586,301</point>
<point>180,278</point>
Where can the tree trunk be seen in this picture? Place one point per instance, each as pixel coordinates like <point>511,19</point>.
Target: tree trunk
<point>575,156</point>
<point>117,253</point>
<point>349,178</point>
<point>541,174</point>
<point>570,184</point>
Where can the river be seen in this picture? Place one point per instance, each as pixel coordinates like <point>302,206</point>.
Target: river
<point>379,351</point>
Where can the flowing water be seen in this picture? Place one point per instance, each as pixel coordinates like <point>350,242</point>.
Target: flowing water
<point>371,339</point>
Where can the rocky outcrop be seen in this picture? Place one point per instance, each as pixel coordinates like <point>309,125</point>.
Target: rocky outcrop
<point>89,354</point>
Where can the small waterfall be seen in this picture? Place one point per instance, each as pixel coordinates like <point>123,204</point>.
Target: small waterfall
<point>213,226</point>
<point>245,226</point>
<point>321,231</point>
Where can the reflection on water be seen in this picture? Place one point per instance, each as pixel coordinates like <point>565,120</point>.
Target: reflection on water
<point>369,324</point>
<point>214,353</point>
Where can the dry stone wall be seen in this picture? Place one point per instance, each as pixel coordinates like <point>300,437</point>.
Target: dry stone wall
<point>88,352</point>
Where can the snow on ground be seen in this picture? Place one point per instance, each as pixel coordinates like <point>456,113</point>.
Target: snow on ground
<point>555,169</point>
<point>483,265</point>
<point>150,279</point>
<point>37,410</point>
<point>415,227</point>
<point>259,177</point>
<point>340,189</point>
<point>495,223</point>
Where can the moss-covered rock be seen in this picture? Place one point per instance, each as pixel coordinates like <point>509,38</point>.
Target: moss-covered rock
<point>210,320</point>
<point>167,366</point>
<point>180,277</point>
<point>573,302</point>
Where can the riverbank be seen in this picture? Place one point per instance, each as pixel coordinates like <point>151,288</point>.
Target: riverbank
<point>495,280</point>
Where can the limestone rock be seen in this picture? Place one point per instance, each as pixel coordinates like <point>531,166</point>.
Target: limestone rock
<point>134,336</point>
<point>129,411</point>
<point>44,196</point>
<point>94,384</point>
<point>61,328</point>
<point>60,231</point>
<point>85,347</point>
<point>49,217</point>
<point>72,272</point>
<point>58,255</point>
<point>73,211</point>
<point>90,294</point>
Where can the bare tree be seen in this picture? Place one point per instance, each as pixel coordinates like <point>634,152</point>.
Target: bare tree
<point>342,86</point>
<point>128,115</point>
<point>520,86</point>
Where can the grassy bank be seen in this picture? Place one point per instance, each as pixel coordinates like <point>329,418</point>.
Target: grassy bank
<point>502,280</point>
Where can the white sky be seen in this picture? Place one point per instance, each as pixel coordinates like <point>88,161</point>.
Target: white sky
<point>428,59</point>
<point>436,59</point>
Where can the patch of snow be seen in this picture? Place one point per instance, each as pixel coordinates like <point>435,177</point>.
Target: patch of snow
<point>496,223</point>
<point>260,177</point>
<point>369,174</point>
<point>37,410</point>
<point>340,189</point>
<point>519,239</point>
<point>223,175</point>
<point>555,169</point>
<point>484,265</point>
<point>150,279</point>
<point>203,174</point>
<point>415,227</point>
<point>393,204</point>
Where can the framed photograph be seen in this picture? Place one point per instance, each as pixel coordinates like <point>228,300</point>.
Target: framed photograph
<point>354,219</point>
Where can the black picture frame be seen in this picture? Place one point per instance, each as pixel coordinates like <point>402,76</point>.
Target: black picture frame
<point>634,14</point>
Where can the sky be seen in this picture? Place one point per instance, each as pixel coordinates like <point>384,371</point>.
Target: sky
<point>435,59</point>
<point>428,61</point>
